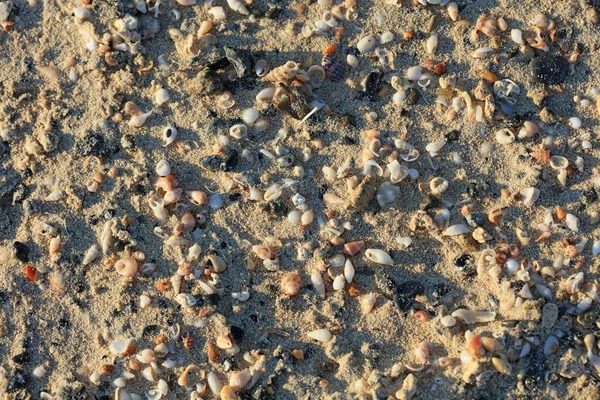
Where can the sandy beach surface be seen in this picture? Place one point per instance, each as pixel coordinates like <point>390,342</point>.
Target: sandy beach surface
<point>410,215</point>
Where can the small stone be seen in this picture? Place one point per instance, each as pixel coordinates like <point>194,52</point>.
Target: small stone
<point>237,333</point>
<point>21,251</point>
<point>570,365</point>
<point>5,9</point>
<point>550,70</point>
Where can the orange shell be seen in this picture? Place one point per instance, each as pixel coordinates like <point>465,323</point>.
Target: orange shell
<point>329,50</point>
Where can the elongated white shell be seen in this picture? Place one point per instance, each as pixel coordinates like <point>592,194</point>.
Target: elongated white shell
<point>397,171</point>
<point>379,256</point>
<point>238,6</point>
<point>162,97</point>
<point>530,195</point>
<point>339,282</point>
<point>433,148</point>
<point>322,335</point>
<point>349,271</point>
<point>517,36</point>
<point>91,254</point>
<point>596,248</point>
<point>432,43</point>
<point>369,165</point>
<point>471,317</point>
<point>317,281</point>
<point>120,346</point>
<point>458,229</point>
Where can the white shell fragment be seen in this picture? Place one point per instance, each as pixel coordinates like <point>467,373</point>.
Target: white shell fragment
<point>366,44</point>
<point>530,195</point>
<point>472,317</point>
<point>379,256</point>
<point>322,335</point>
<point>458,229</point>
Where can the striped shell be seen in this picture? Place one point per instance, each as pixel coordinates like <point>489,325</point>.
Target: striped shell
<point>283,73</point>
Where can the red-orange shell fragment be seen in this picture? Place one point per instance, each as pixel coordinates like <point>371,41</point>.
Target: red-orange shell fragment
<point>30,273</point>
<point>329,50</point>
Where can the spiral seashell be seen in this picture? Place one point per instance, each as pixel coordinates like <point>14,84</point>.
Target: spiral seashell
<point>238,131</point>
<point>176,241</point>
<point>54,245</point>
<point>379,256</point>
<point>455,230</point>
<point>334,70</point>
<point>226,100</point>
<point>438,186</point>
<point>163,168</point>
<point>283,73</point>
<point>127,267</point>
<point>238,6</point>
<point>90,255</point>
<point>290,284</point>
<point>159,210</point>
<point>367,303</point>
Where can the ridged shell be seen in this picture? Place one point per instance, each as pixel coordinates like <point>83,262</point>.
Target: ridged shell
<point>334,71</point>
<point>283,73</point>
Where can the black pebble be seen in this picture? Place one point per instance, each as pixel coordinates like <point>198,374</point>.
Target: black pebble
<point>406,293</point>
<point>464,263</point>
<point>212,299</point>
<point>21,251</point>
<point>17,381</point>
<point>550,70</point>
<point>22,358</point>
<point>237,333</point>
<point>230,161</point>
<point>278,208</point>
<point>373,84</point>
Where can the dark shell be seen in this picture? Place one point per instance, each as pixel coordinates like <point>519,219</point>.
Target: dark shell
<point>241,60</point>
<point>373,84</point>
<point>550,70</point>
<point>334,71</point>
<point>290,100</point>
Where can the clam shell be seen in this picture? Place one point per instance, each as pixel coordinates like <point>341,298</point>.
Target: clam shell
<point>505,136</point>
<point>379,256</point>
<point>530,195</point>
<point>434,147</point>
<point>90,255</point>
<point>458,229</point>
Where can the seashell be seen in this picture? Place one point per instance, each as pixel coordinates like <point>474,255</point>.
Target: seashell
<point>90,255</point>
<point>422,351</point>
<point>448,321</point>
<point>505,136</point>
<point>224,342</point>
<point>386,37</point>
<point>368,167</point>
<point>507,90</point>
<point>307,217</point>
<point>127,267</point>
<point>159,210</point>
<point>138,120</point>
<point>216,201</point>
<point>217,262</point>
<point>573,283</point>
<point>517,36</point>
<point>596,248</point>
<point>366,44</point>
<point>572,222</point>
<point>265,95</point>
<point>205,28</point>
<point>551,345</point>
<point>172,196</point>
<point>414,73</point>
<point>226,100</point>
<point>558,162</point>
<point>250,116</point>
<point>54,245</point>
<point>438,186</point>
<point>339,282</point>
<point>352,248</point>
<point>480,235</point>
<point>501,365</point>
<point>213,383</point>
<point>56,195</point>
<point>283,73</point>
<point>334,71</point>
<point>529,130</point>
<point>264,252</point>
<point>238,6</point>
<point>290,284</point>
<point>39,372</point>
<point>146,356</point>
<point>240,379</point>
<point>186,300</point>
<point>349,271</point>
<point>162,97</point>
<point>261,68</point>
<point>163,168</point>
<point>432,44</point>
<point>379,256</point>
<point>458,229</point>
<point>367,303</point>
<point>482,52</point>
<point>530,195</point>
<point>217,13</point>
<point>121,347</point>
<point>197,197</point>
<point>176,241</point>
<point>317,282</point>
<point>523,236</point>
<point>169,135</point>
<point>145,301</point>
<point>186,2</point>
<point>433,148</point>
<point>453,11</point>
<point>322,335</point>
<point>397,171</point>
<point>471,317</point>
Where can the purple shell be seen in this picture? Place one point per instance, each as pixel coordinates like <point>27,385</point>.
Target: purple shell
<point>334,71</point>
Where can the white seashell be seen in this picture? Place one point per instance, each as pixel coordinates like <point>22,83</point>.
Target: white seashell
<point>261,68</point>
<point>265,95</point>
<point>517,36</point>
<point>250,116</point>
<point>453,11</point>
<point>386,37</point>
<point>397,171</point>
<point>322,335</point>
<point>120,347</point>
<point>399,97</point>
<point>238,6</point>
<point>339,282</point>
<point>471,317</point>
<point>368,167</point>
<point>366,44</point>
<point>414,73</point>
<point>575,122</point>
<point>55,195</point>
<point>159,210</point>
<point>558,162</point>
<point>145,301</point>
<point>90,255</point>
<point>162,97</point>
<point>530,195</point>
<point>438,186</point>
<point>404,241</point>
<point>433,148</point>
<point>163,168</point>
<point>352,61</point>
<point>572,222</point>
<point>238,131</point>
<point>432,44</point>
<point>138,120</point>
<point>307,217</point>
<point>379,256</point>
<point>317,281</point>
<point>511,266</point>
<point>186,300</point>
<point>562,176</point>
<point>243,296</point>
<point>482,52</point>
<point>194,252</point>
<point>217,13</point>
<point>81,13</point>
<point>368,302</point>
<point>294,217</point>
<point>458,229</point>
<point>349,271</point>
<point>169,135</point>
<point>596,248</point>
<point>505,136</point>
<point>213,383</point>
<point>448,321</point>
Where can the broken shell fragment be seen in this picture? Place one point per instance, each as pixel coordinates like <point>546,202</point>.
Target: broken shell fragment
<point>322,335</point>
<point>472,317</point>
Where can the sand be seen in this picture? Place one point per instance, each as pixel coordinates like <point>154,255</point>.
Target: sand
<point>69,332</point>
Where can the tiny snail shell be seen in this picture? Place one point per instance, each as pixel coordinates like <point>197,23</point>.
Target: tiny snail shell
<point>218,263</point>
<point>529,130</point>
<point>482,52</point>
<point>414,73</point>
<point>240,379</point>
<point>138,120</point>
<point>163,168</point>
<point>146,356</point>
<point>217,13</point>
<point>453,11</point>
<point>261,68</point>
<point>162,97</point>
<point>366,44</point>
<point>238,131</point>
<point>169,135</point>
<point>172,196</point>
<point>379,256</point>
<point>368,302</point>
<point>54,245</point>
<point>505,136</point>
<point>517,36</point>
<point>290,284</point>
<point>432,44</point>
<point>92,253</point>
<point>226,100</point>
<point>558,162</point>
<point>127,267</point>
<point>438,186</point>
<point>433,148</point>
